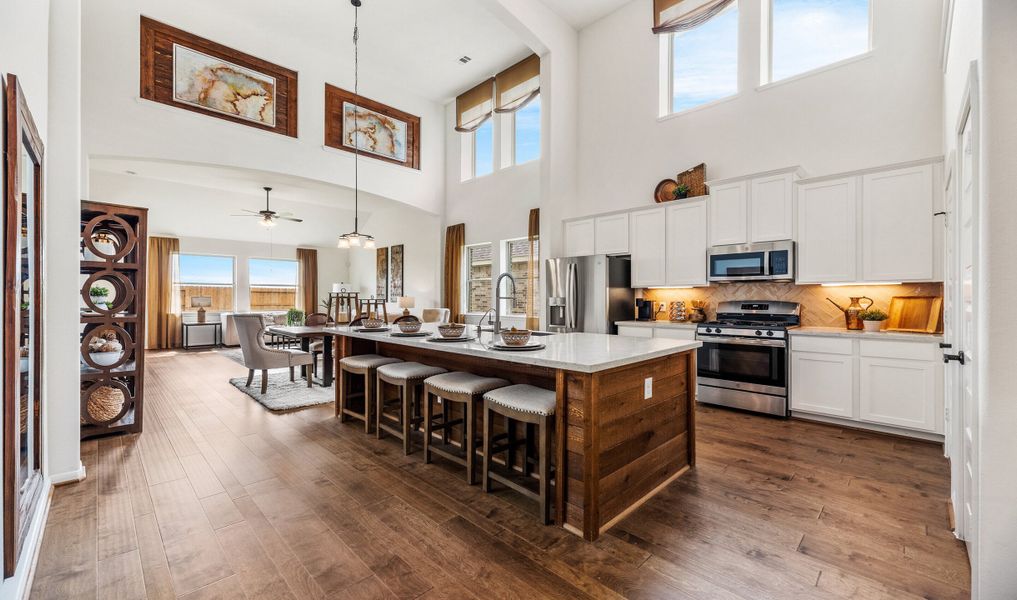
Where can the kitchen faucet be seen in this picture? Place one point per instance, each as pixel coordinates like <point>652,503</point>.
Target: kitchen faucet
<point>497,303</point>
<point>480,323</point>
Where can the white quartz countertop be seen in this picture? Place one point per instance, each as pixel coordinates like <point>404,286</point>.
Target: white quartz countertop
<point>661,324</point>
<point>582,352</point>
<point>931,338</point>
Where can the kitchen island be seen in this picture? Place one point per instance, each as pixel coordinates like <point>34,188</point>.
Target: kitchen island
<point>624,418</point>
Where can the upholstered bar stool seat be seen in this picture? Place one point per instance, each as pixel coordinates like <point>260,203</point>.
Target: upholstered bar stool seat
<point>365,366</point>
<point>461,388</point>
<point>533,406</point>
<point>409,378</point>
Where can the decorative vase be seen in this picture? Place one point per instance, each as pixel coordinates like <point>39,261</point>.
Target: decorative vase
<point>698,315</point>
<point>100,301</point>
<point>872,326</point>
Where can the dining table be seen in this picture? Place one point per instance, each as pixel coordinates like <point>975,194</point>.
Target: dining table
<point>305,334</point>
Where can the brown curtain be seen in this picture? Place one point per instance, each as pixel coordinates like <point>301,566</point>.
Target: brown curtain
<point>532,310</point>
<point>307,294</point>
<point>668,17</point>
<point>517,85</point>
<point>163,313</point>
<point>455,239</point>
<point>474,106</point>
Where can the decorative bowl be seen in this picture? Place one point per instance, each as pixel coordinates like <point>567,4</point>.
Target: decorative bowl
<point>105,359</point>
<point>515,337</point>
<point>451,330</point>
<point>409,326</point>
<point>373,323</point>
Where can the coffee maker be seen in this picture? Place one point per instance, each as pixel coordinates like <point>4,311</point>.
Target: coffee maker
<point>644,309</point>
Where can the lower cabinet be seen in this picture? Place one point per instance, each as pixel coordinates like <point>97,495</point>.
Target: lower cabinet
<point>883,382</point>
<point>649,331</point>
<point>635,331</point>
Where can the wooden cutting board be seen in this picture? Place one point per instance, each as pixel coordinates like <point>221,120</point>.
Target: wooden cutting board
<point>917,314</point>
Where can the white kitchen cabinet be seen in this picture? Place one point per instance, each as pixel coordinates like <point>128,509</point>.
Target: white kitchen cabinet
<point>823,383</point>
<point>771,208</point>
<point>729,213</point>
<point>579,237</point>
<point>897,225</point>
<point>635,331</point>
<point>611,234</point>
<point>686,243</point>
<point>827,231</point>
<point>674,333</point>
<point>647,245</point>
<point>899,392</point>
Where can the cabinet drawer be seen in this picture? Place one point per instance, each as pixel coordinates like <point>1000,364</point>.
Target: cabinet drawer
<point>896,349</point>
<point>803,343</point>
<point>643,332</point>
<point>674,334</point>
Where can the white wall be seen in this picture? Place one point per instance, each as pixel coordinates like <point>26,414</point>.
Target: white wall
<point>882,109</point>
<point>121,124</point>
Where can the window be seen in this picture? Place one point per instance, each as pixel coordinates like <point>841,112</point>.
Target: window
<point>483,149</point>
<point>478,278</point>
<point>526,123</point>
<point>517,262</point>
<point>809,34</point>
<point>704,62</point>
<point>273,283</point>
<point>206,275</point>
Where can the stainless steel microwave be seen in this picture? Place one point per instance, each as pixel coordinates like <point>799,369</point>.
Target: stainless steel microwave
<point>763,261</point>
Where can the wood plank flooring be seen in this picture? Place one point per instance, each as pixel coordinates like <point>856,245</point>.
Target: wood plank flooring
<point>219,498</point>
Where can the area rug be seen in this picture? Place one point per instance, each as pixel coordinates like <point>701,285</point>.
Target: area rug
<point>282,393</point>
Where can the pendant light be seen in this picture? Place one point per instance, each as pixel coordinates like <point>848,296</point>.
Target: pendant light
<point>355,239</point>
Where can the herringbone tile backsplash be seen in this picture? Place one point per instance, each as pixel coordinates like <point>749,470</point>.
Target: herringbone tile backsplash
<point>816,310</point>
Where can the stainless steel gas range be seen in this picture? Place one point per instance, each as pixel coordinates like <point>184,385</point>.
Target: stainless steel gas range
<point>744,361</point>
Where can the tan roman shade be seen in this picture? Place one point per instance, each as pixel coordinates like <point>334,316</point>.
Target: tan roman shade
<point>670,16</point>
<point>474,106</point>
<point>517,85</point>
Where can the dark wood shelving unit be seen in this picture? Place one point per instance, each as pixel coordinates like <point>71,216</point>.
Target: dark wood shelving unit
<point>114,247</point>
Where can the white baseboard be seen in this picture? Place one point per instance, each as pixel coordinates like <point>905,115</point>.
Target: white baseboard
<point>19,585</point>
<point>69,476</point>
<point>852,424</point>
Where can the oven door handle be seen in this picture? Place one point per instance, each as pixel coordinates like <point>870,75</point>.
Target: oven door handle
<point>742,341</point>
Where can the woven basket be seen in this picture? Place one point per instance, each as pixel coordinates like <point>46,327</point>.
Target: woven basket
<point>104,404</point>
<point>695,178</point>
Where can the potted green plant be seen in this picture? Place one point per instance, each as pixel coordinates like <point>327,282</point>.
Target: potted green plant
<point>681,192</point>
<point>872,319</point>
<point>294,317</point>
<point>99,296</point>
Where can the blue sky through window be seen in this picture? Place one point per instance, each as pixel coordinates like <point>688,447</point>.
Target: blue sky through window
<point>528,132</point>
<point>705,61</point>
<point>808,34</point>
<point>201,269</point>
<point>483,149</point>
<point>273,271</point>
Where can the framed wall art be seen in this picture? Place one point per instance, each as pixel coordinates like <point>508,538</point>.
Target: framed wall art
<point>377,130</point>
<point>190,72</point>
<point>396,272</point>
<point>381,289</point>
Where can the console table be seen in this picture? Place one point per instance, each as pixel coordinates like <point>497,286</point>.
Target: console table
<point>216,334</point>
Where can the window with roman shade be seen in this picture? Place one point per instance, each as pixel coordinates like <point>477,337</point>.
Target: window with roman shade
<point>671,16</point>
<point>475,106</point>
<point>517,85</point>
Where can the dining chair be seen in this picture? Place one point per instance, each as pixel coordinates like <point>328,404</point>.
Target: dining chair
<point>318,346</point>
<point>436,315</point>
<point>258,356</point>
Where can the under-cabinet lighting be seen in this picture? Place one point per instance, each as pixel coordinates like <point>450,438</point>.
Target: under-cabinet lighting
<point>862,283</point>
<point>662,287</point>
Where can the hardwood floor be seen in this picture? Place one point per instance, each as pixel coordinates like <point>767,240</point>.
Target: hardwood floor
<point>219,498</point>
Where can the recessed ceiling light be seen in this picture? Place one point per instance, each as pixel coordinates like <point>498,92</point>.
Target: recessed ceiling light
<point>464,59</point>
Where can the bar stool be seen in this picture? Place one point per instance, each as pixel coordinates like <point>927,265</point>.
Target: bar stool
<point>364,365</point>
<point>409,378</point>
<point>461,388</point>
<point>526,404</point>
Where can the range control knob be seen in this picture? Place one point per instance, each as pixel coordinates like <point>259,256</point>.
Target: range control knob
<point>758,332</point>
<point>717,330</point>
<point>769,333</point>
<point>708,330</point>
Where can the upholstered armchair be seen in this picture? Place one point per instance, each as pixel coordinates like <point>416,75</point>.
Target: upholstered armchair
<point>258,356</point>
<point>436,315</point>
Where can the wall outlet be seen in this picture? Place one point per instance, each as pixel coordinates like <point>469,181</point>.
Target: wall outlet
<point>648,388</point>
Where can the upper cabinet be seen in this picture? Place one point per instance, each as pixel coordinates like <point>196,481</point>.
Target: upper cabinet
<point>579,237</point>
<point>728,210</point>
<point>875,226</point>
<point>759,208</point>
<point>612,234</point>
<point>771,208</point>
<point>686,243</point>
<point>648,246</point>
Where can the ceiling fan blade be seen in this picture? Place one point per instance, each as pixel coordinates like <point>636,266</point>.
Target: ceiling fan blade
<point>255,215</point>
<point>253,212</point>
<point>285,214</point>
<point>291,219</point>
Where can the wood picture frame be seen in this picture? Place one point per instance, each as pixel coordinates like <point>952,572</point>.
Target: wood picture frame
<point>160,46</point>
<point>335,123</point>
<point>396,257</point>
<point>381,286</point>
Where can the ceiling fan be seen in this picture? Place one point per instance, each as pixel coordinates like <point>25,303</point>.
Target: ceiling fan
<point>268,216</point>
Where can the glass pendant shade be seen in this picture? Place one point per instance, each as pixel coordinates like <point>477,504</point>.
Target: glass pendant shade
<point>267,222</point>
<point>343,243</point>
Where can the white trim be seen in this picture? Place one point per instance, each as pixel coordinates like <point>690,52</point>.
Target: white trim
<point>946,34</point>
<point>68,476</point>
<point>700,107</point>
<point>852,424</point>
<point>806,74</point>
<point>878,169</point>
<point>20,584</point>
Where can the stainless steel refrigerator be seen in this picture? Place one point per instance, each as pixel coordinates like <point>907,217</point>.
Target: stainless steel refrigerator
<point>589,293</point>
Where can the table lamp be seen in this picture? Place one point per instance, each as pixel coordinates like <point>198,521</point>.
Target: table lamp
<point>201,303</point>
<point>406,303</point>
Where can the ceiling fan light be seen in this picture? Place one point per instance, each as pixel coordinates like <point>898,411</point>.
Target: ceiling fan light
<point>267,222</point>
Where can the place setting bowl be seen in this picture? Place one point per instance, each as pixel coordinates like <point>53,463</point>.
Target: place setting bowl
<point>451,332</point>
<point>372,325</point>
<point>409,328</point>
<point>517,340</point>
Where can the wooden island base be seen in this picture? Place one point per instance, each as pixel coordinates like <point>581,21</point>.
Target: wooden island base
<point>617,442</point>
